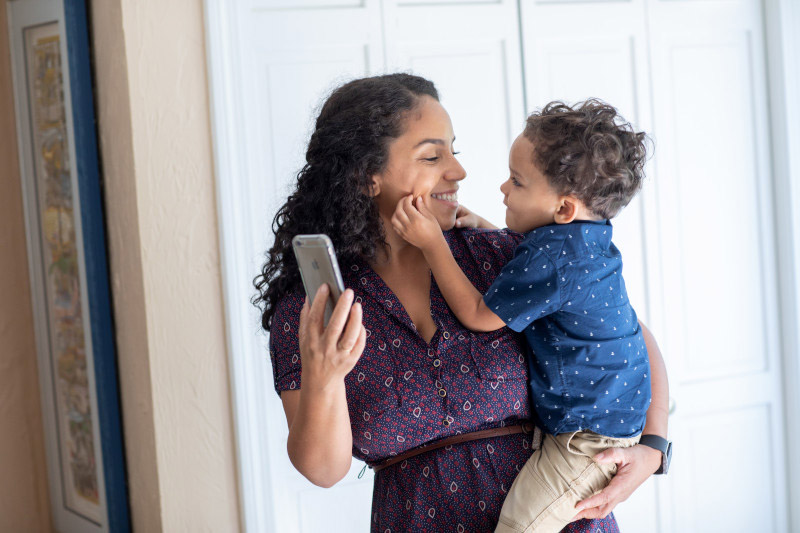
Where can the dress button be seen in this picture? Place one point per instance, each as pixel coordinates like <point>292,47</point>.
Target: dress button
<point>446,422</point>
<point>446,335</point>
<point>437,362</point>
<point>442,393</point>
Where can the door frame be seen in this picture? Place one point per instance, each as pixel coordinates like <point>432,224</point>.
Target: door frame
<point>249,373</point>
<point>783,70</point>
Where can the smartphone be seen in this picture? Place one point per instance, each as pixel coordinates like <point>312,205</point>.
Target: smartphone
<point>318,265</point>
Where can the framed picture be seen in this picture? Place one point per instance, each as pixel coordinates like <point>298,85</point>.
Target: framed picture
<point>68,266</point>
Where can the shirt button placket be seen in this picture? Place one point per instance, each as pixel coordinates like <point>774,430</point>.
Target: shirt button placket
<point>437,363</point>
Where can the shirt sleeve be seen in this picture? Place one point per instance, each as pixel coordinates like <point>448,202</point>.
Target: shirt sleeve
<point>526,289</point>
<point>284,347</point>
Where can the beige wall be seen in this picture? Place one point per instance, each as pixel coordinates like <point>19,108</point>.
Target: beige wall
<point>155,141</point>
<point>24,504</point>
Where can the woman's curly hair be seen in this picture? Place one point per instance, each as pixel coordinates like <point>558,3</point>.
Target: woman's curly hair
<point>589,151</point>
<point>349,145</point>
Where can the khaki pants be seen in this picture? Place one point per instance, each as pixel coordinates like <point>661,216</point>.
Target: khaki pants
<point>556,477</point>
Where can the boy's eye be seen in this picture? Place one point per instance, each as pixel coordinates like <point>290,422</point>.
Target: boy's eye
<point>456,153</point>
<point>515,182</point>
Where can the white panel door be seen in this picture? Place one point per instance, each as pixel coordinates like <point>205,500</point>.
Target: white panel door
<point>718,266</point>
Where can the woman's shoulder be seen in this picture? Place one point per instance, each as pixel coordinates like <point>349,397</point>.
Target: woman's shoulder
<point>482,253</point>
<point>287,309</point>
<point>284,349</point>
<point>481,238</point>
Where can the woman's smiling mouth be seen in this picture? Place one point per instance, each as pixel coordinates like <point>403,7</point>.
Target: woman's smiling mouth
<point>449,197</point>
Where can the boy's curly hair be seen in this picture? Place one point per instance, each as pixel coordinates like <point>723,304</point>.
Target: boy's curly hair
<point>589,151</point>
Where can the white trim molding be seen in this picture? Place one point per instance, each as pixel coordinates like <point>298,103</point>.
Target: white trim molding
<point>783,57</point>
<point>248,371</point>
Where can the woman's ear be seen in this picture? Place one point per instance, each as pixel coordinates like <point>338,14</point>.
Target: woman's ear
<point>567,210</point>
<point>375,185</point>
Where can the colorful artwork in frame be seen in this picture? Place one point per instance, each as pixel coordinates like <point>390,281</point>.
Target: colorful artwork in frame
<point>68,264</point>
<point>65,305</point>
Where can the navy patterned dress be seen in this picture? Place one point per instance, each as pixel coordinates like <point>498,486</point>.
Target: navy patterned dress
<point>404,392</point>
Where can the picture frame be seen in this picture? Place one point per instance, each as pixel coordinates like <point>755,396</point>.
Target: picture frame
<point>68,265</point>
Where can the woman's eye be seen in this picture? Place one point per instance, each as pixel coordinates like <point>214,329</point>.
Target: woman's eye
<point>431,159</point>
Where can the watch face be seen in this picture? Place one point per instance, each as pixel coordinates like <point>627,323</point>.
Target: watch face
<point>666,458</point>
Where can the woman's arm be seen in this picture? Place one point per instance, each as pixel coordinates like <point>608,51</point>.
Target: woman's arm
<point>320,443</point>
<point>635,464</point>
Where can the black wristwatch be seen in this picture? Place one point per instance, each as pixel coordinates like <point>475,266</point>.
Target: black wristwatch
<point>661,444</point>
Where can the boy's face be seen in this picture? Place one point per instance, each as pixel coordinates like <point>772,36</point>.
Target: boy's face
<point>530,200</point>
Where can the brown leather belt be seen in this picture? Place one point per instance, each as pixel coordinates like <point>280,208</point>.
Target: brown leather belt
<point>526,427</point>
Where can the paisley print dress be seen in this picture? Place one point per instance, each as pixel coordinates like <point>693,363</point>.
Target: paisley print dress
<point>405,392</point>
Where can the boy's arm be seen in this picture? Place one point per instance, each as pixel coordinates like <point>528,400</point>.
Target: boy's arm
<point>419,227</point>
<point>461,295</point>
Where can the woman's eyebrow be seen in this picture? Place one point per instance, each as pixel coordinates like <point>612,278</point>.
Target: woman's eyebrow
<point>439,142</point>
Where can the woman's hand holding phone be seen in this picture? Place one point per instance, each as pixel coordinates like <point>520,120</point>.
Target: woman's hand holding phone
<point>329,353</point>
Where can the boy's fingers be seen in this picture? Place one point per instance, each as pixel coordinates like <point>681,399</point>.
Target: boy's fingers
<point>400,211</point>
<point>402,218</point>
<point>424,206</point>
<point>408,205</point>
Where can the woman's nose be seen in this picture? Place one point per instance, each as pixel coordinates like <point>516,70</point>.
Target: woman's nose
<point>456,172</point>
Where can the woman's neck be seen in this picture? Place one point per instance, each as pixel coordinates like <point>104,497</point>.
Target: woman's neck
<point>399,253</point>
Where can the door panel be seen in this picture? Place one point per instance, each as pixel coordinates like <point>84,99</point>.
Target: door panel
<point>718,265</point>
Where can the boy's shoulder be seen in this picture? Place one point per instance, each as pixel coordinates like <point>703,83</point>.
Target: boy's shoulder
<point>566,243</point>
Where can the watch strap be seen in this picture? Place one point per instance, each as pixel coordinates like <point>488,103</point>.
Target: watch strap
<point>661,444</point>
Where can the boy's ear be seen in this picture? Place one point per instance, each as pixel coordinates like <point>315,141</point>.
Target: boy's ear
<point>567,210</point>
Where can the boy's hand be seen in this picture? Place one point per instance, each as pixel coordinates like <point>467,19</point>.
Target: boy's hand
<point>466,218</point>
<point>415,223</point>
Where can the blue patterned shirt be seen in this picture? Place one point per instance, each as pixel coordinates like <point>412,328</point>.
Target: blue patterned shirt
<point>564,289</point>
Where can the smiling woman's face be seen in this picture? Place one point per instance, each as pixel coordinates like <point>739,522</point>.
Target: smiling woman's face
<point>422,163</point>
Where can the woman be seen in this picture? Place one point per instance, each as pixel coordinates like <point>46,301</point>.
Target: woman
<point>394,369</point>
